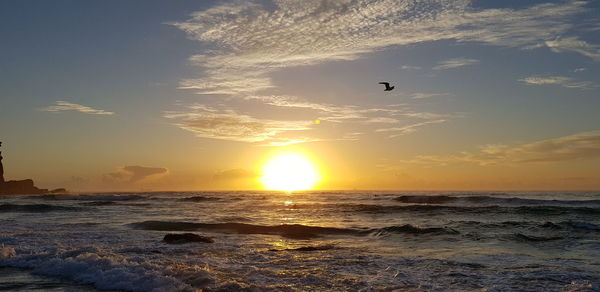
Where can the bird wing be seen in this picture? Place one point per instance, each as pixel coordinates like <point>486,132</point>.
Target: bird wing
<point>385,83</point>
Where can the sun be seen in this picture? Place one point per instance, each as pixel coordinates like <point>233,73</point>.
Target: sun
<point>289,171</point>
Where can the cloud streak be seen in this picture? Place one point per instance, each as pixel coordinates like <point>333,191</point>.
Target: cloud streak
<point>249,42</point>
<point>132,174</point>
<point>556,80</point>
<point>234,174</point>
<point>573,147</point>
<point>455,63</point>
<point>408,129</point>
<point>253,40</point>
<point>421,95</point>
<point>61,106</point>
<point>574,44</point>
<point>409,67</point>
<point>213,123</point>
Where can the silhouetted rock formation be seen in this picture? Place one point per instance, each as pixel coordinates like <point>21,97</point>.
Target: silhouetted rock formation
<point>20,187</point>
<point>174,238</point>
<point>17,187</point>
<point>1,168</point>
<point>59,191</point>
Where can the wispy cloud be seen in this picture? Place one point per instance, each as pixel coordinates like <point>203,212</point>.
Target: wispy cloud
<point>408,129</point>
<point>329,112</point>
<point>408,67</point>
<point>557,80</point>
<point>253,40</point>
<point>250,42</point>
<point>61,106</point>
<point>574,44</point>
<point>226,124</point>
<point>234,174</point>
<point>132,174</point>
<point>455,63</point>
<point>208,122</point>
<point>573,147</point>
<point>421,95</point>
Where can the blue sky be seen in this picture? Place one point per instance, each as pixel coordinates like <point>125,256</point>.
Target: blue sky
<point>91,87</point>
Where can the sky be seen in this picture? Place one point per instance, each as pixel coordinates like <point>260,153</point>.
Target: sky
<point>197,95</point>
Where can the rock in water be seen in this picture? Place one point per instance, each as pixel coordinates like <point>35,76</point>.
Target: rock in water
<point>59,191</point>
<point>17,187</point>
<point>20,187</point>
<point>174,238</point>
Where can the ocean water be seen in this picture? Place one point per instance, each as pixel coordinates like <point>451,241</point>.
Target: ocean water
<point>309,241</point>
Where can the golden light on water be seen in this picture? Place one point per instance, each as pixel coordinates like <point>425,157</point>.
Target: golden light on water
<point>289,171</point>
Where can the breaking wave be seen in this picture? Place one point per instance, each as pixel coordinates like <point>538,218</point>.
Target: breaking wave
<point>292,230</point>
<point>411,229</point>
<point>200,199</point>
<point>426,208</point>
<point>297,231</point>
<point>108,271</point>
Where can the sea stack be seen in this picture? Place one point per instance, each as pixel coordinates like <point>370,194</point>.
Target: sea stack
<point>1,168</point>
<point>17,187</point>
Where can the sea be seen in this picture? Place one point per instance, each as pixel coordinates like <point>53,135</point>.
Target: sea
<point>305,241</point>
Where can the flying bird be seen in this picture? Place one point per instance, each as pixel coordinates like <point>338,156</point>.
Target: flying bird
<point>387,86</point>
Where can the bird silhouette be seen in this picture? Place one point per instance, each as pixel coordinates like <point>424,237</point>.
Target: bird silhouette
<point>387,86</point>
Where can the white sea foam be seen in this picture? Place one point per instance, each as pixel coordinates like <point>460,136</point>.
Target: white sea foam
<point>517,243</point>
<point>7,252</point>
<point>110,271</point>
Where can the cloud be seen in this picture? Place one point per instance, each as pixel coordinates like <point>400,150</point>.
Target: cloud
<point>420,95</point>
<point>67,106</point>
<point>234,174</point>
<point>357,114</point>
<point>573,147</point>
<point>408,67</point>
<point>329,112</point>
<point>408,129</point>
<point>455,63</point>
<point>226,124</point>
<point>557,80</point>
<point>574,44</point>
<point>251,40</point>
<point>577,70</point>
<point>209,122</point>
<point>578,146</point>
<point>132,174</point>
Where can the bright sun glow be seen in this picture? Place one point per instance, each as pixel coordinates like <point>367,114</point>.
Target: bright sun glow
<point>289,172</point>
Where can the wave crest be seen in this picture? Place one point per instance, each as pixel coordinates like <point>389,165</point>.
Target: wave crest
<point>102,197</point>
<point>444,199</point>
<point>35,208</point>
<point>200,199</point>
<point>109,271</point>
<point>411,229</point>
<point>296,231</point>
